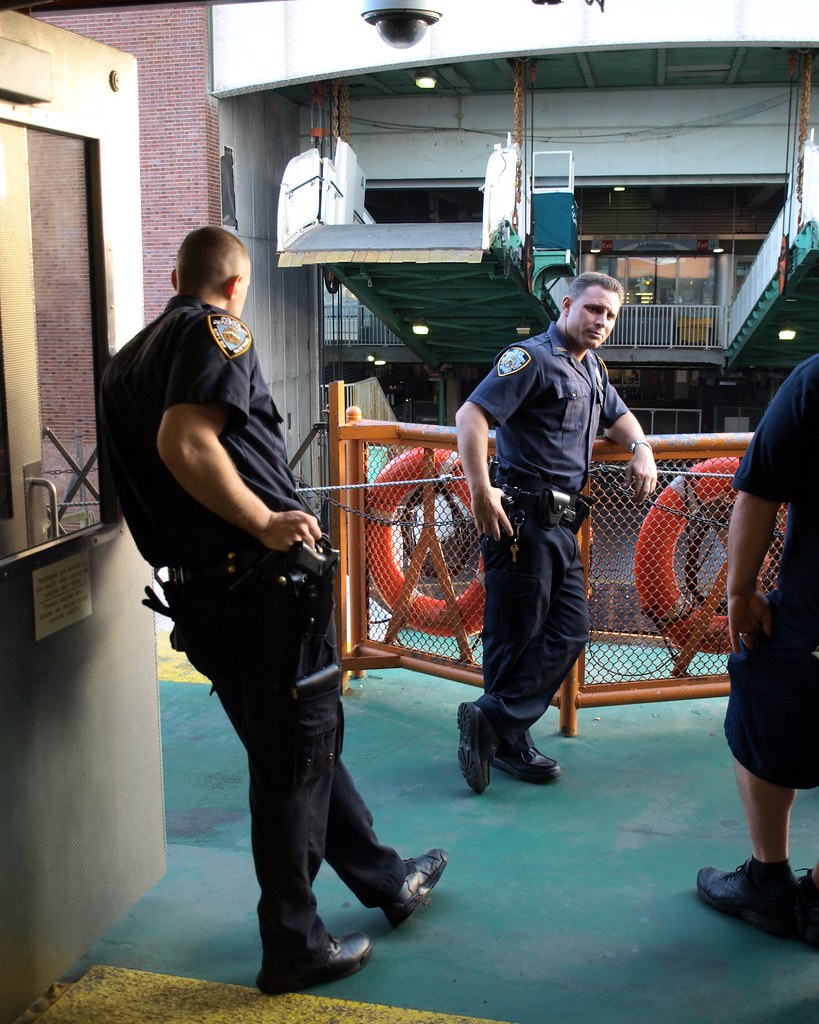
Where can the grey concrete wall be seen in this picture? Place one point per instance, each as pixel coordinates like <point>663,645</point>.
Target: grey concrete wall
<point>262,130</point>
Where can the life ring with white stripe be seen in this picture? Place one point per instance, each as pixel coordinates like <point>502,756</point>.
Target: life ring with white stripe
<point>703,493</point>
<point>390,544</point>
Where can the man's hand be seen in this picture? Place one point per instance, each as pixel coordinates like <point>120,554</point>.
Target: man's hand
<point>749,616</point>
<point>490,515</point>
<point>286,528</point>
<point>641,473</point>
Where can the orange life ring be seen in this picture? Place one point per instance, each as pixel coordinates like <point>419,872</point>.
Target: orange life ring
<point>655,555</point>
<point>427,614</point>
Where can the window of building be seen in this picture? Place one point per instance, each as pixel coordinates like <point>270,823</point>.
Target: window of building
<point>663,280</point>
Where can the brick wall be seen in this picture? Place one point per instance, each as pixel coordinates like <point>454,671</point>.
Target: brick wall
<point>179,126</point>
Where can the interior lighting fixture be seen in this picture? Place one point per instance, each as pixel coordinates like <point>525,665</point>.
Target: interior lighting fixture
<point>619,188</point>
<point>787,334</point>
<point>369,359</point>
<point>425,78</point>
<point>420,327</point>
<point>718,248</point>
<point>523,329</point>
<point>596,246</point>
<point>379,362</point>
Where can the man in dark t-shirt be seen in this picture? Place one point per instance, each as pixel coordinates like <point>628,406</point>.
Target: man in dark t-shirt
<point>772,721</point>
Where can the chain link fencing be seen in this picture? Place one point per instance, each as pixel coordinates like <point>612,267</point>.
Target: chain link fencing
<point>655,572</point>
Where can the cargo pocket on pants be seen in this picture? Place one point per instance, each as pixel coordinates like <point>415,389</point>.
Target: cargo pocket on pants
<point>316,736</point>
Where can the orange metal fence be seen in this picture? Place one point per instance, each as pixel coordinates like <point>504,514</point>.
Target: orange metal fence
<point>411,588</point>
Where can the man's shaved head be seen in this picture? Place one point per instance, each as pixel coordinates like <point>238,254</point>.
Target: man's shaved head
<point>207,258</point>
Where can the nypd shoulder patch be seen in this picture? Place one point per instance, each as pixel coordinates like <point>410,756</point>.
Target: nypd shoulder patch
<point>512,360</point>
<point>230,334</point>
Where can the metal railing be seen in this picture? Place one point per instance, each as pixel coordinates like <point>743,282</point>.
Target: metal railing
<point>762,271</point>
<point>356,325</point>
<point>791,218</point>
<point>410,593</point>
<point>671,326</point>
<point>668,421</point>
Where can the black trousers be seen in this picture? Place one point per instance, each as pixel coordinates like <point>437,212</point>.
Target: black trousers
<point>536,622</point>
<point>303,802</point>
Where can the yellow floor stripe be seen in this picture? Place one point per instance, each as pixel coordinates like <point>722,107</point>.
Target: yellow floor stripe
<point>171,666</point>
<point>114,995</point>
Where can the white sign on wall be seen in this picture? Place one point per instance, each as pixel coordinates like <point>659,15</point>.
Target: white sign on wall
<point>62,594</point>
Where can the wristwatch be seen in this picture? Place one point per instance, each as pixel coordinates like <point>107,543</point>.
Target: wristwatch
<point>634,444</point>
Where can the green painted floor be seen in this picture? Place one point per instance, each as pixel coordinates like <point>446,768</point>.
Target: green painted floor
<point>568,903</point>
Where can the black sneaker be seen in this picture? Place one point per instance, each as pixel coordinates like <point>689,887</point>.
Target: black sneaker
<point>734,892</point>
<point>807,917</point>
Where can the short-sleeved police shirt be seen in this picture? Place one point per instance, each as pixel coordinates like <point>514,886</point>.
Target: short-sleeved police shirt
<point>191,354</point>
<point>548,406</point>
<point>782,465</point>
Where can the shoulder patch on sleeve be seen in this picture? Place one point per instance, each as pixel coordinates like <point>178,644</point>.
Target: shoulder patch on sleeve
<point>230,334</point>
<point>512,360</point>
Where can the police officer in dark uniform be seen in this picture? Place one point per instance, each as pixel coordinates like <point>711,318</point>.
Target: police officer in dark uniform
<point>197,453</point>
<point>547,397</point>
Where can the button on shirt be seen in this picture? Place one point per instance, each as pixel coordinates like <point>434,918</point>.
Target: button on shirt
<point>548,406</point>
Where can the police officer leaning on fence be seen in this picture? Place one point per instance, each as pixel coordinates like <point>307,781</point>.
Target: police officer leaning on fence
<point>197,453</point>
<point>547,397</point>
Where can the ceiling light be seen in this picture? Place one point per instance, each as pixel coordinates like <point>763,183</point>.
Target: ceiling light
<point>523,329</point>
<point>718,247</point>
<point>619,188</point>
<point>420,327</point>
<point>369,359</point>
<point>596,246</point>
<point>425,78</point>
<point>379,362</point>
<point>787,334</point>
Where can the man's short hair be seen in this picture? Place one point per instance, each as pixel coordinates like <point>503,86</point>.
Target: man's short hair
<point>207,258</point>
<point>591,279</point>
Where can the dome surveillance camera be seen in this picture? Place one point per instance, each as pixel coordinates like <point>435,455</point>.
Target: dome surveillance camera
<point>400,23</point>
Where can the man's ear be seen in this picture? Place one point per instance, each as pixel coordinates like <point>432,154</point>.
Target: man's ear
<point>173,280</point>
<point>232,286</point>
<point>566,303</point>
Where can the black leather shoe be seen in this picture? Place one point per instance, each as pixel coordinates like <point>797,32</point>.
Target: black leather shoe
<point>807,916</point>
<point>346,954</point>
<point>529,765</point>
<point>734,892</point>
<point>422,875</point>
<point>477,746</point>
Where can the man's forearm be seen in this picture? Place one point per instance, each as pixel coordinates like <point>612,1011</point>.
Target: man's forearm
<point>749,536</point>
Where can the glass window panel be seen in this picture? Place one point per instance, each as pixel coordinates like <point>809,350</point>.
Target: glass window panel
<point>48,431</point>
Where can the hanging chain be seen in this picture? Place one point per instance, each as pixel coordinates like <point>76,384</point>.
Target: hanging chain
<point>336,114</point>
<point>804,116</point>
<point>401,520</point>
<point>520,65</point>
<point>345,110</point>
<point>603,473</point>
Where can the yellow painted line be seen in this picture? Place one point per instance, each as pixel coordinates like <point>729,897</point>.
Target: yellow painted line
<point>171,666</point>
<point>114,995</point>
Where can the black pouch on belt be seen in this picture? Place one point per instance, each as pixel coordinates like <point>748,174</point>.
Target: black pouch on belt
<point>552,507</point>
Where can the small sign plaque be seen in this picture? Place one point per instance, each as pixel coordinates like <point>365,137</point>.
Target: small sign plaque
<point>62,594</point>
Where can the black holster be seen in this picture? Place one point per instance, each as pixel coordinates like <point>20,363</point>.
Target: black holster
<point>557,508</point>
